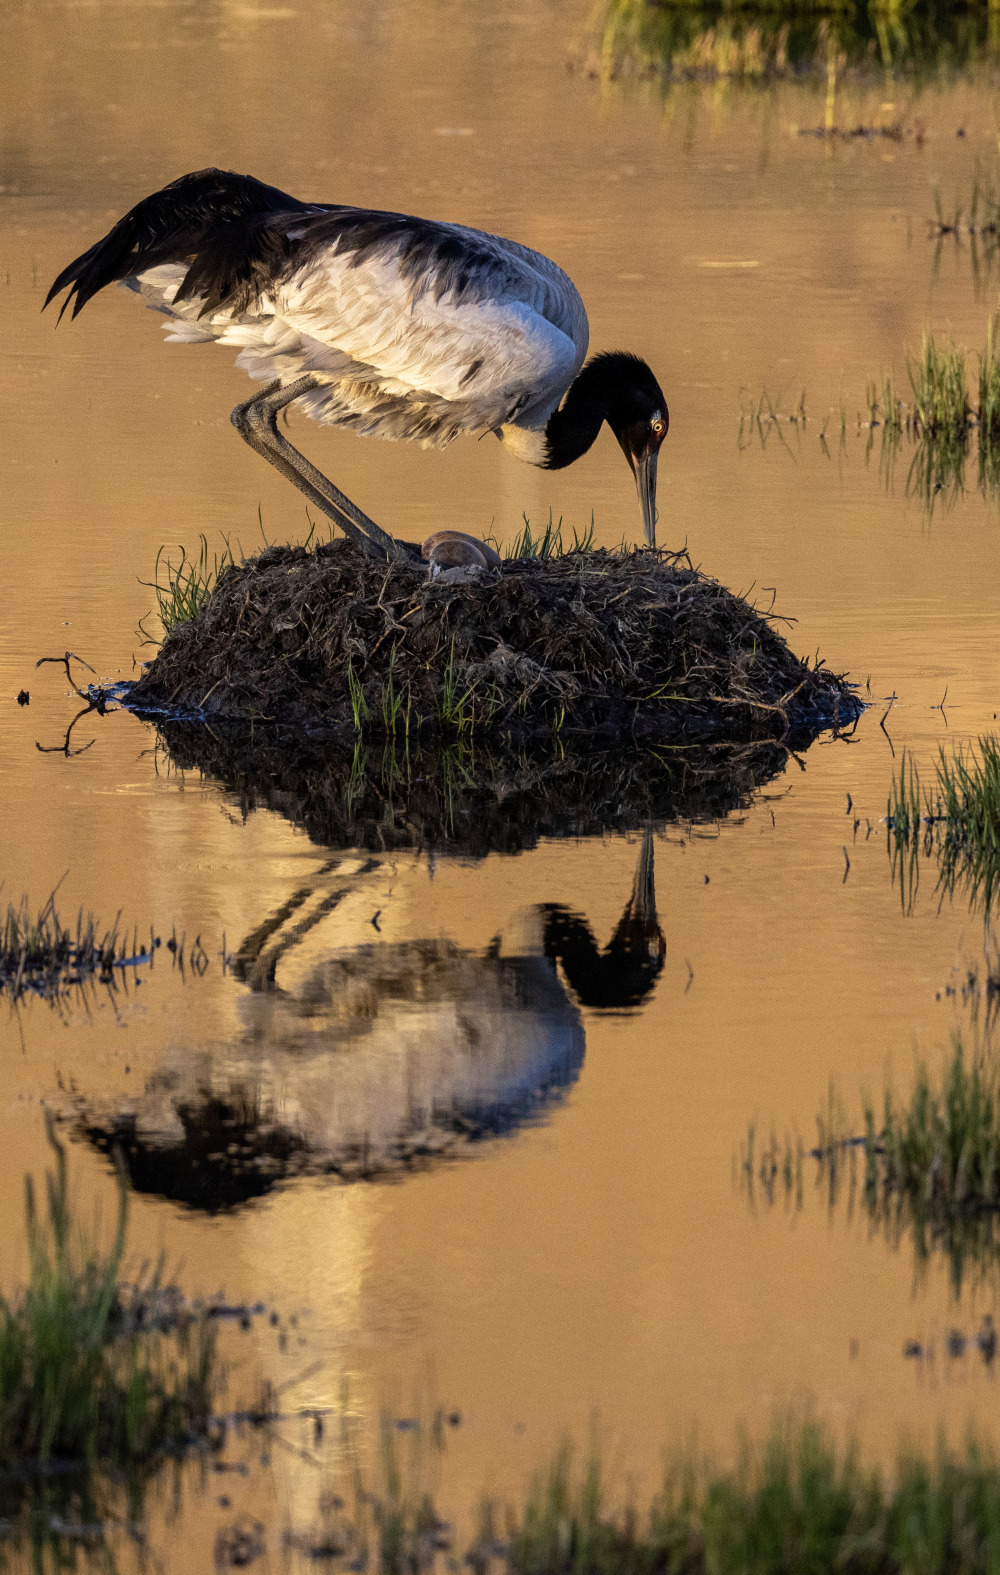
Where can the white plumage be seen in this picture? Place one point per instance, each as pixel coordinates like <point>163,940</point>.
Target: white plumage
<point>392,359</point>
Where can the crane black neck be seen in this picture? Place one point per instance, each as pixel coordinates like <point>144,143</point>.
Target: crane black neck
<point>615,387</point>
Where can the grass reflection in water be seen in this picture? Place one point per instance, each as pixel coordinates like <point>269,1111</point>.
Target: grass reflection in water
<point>764,40</point>
<point>927,1167</point>
<point>956,823</point>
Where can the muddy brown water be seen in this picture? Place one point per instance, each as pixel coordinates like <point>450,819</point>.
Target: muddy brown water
<point>591,1254</point>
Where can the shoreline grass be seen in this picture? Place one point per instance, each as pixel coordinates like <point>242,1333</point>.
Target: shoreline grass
<point>796,1503</point>
<point>82,1380</point>
<point>758,42</point>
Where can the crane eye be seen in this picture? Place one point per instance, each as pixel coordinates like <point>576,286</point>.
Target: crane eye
<point>657,427</point>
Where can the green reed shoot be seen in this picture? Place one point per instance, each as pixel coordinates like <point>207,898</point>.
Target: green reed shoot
<point>958,820</point>
<point>550,543</point>
<point>903,808</point>
<point>77,1379</point>
<point>989,387</point>
<point>456,711</point>
<point>360,709</point>
<point>885,408</point>
<point>183,588</point>
<point>940,396</point>
<point>796,1503</point>
<point>392,698</point>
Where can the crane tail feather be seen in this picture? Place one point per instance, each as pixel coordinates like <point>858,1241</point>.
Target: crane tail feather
<point>213,220</point>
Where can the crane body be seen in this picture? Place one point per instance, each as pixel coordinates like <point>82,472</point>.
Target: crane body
<point>383,324</point>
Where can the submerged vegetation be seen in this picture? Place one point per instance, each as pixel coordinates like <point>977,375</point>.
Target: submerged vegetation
<point>82,1376</point>
<point>956,822</point>
<point>927,1166</point>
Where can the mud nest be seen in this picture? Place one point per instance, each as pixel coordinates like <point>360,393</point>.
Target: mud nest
<point>633,644</point>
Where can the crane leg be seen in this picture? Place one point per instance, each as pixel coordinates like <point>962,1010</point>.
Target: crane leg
<point>257,423</point>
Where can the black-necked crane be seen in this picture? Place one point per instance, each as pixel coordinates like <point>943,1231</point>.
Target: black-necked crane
<point>386,325</point>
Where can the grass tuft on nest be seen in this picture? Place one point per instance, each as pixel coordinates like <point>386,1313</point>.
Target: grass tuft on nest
<point>80,1381</point>
<point>614,643</point>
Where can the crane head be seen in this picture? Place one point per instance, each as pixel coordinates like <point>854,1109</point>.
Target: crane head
<point>639,419</point>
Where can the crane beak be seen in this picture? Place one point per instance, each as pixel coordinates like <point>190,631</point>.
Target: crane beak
<point>645,481</point>
<point>641,450</point>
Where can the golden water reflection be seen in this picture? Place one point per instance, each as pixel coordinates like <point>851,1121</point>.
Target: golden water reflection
<point>600,1257</point>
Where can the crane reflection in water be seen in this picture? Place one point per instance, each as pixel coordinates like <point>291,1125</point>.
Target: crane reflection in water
<point>381,1057</point>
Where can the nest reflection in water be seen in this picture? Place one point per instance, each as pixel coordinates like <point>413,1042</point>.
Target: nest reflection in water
<point>372,1059</point>
<point>470,799</point>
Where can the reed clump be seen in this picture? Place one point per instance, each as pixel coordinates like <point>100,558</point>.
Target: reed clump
<point>941,1148</point>
<point>797,1501</point>
<point>944,410</point>
<point>956,821</point>
<point>937,381</point>
<point>80,1381</point>
<point>927,1165</point>
<point>40,955</point>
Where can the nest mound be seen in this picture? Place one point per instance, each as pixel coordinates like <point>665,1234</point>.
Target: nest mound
<point>608,643</point>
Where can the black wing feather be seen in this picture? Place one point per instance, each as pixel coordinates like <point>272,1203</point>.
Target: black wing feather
<point>218,222</point>
<point>443,258</point>
<point>232,233</point>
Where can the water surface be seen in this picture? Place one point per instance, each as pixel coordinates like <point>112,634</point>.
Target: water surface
<point>584,1247</point>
